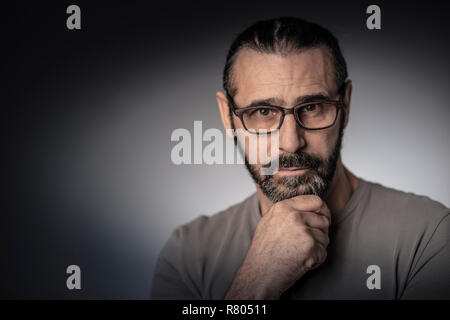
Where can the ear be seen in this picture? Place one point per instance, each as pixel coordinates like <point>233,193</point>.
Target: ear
<point>347,100</point>
<point>224,110</point>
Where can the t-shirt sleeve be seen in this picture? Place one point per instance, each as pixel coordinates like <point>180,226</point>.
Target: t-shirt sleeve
<point>430,275</point>
<point>171,279</point>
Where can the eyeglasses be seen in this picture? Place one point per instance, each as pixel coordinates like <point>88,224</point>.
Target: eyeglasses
<point>314,115</point>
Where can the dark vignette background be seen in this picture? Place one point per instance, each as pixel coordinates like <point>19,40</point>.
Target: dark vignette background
<point>87,117</point>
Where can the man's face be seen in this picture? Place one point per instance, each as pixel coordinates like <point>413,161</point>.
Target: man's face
<point>307,158</point>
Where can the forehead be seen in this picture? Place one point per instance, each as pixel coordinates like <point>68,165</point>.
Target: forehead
<point>263,75</point>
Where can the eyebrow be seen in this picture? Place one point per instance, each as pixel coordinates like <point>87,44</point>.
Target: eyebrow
<point>276,102</point>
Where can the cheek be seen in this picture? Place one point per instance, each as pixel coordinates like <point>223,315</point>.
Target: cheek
<point>321,142</point>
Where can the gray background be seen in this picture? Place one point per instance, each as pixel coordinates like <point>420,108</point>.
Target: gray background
<point>88,116</point>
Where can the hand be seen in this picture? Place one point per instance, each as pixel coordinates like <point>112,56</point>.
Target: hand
<point>290,239</point>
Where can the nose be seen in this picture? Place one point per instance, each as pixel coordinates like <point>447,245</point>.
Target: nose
<point>291,135</point>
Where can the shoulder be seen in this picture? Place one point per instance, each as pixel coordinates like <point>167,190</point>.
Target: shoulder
<point>408,208</point>
<point>189,258</point>
<point>406,200</point>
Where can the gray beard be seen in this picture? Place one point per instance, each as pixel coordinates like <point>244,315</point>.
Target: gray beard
<point>289,187</point>
<point>315,181</point>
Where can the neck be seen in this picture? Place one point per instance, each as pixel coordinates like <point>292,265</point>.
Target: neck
<point>338,194</point>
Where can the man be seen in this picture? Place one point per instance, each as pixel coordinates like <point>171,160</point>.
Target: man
<point>313,230</point>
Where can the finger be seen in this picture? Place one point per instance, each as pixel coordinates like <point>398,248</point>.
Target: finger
<point>320,236</point>
<point>321,257</point>
<point>307,202</point>
<point>314,220</point>
<point>325,211</point>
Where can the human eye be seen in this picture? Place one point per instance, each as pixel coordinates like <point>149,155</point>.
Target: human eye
<point>262,112</point>
<point>312,107</point>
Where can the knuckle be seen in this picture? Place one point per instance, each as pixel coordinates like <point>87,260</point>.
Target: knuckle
<point>326,210</point>
<point>323,256</point>
<point>282,205</point>
<point>327,241</point>
<point>309,242</point>
<point>315,253</point>
<point>315,259</point>
<point>290,216</point>
<point>299,218</point>
<point>326,222</point>
<point>309,263</point>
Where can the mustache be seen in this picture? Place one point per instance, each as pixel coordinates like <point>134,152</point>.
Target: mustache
<point>298,159</point>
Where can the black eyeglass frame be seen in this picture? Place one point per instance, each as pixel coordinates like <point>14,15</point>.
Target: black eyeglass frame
<point>239,112</point>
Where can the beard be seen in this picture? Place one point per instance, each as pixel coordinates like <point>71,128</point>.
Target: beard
<point>315,181</point>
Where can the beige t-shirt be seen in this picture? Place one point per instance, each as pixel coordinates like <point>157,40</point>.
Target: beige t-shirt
<point>384,244</point>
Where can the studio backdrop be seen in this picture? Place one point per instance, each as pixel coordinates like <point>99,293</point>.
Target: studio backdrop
<point>88,115</point>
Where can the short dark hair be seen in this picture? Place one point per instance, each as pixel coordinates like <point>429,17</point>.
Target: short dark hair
<point>285,35</point>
